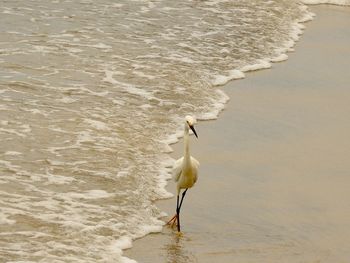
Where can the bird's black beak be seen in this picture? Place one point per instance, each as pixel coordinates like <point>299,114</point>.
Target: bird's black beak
<point>194,131</point>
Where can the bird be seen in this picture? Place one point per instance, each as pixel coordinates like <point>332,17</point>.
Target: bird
<point>185,171</point>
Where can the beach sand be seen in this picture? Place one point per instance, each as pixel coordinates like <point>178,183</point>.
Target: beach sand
<point>275,167</point>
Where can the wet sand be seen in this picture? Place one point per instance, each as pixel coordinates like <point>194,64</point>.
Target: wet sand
<point>274,176</point>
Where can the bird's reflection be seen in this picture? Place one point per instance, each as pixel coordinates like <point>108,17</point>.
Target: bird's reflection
<point>176,249</point>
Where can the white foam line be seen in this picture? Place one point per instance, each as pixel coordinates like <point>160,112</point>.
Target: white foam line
<point>126,87</point>
<point>99,125</point>
<point>4,220</point>
<point>58,179</point>
<point>119,245</point>
<point>92,194</point>
<point>11,131</point>
<point>12,153</point>
<point>220,80</point>
<point>261,64</point>
<point>280,58</point>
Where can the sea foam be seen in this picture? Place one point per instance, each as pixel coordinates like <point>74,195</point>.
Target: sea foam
<point>260,64</point>
<point>94,155</point>
<point>223,79</point>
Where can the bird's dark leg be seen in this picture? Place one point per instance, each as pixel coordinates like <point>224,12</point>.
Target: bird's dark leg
<point>183,195</point>
<point>178,213</point>
<point>178,207</point>
<point>175,218</point>
<point>177,203</point>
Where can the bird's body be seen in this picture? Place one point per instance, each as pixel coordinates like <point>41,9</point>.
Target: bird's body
<point>185,173</point>
<point>185,170</point>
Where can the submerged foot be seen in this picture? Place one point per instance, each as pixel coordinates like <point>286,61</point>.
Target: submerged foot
<point>173,221</point>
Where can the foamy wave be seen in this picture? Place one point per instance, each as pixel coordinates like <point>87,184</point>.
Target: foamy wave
<point>218,105</point>
<point>125,242</point>
<point>99,125</point>
<point>163,177</point>
<point>92,194</point>
<point>91,155</point>
<point>12,153</point>
<point>220,80</point>
<point>102,46</point>
<point>4,220</point>
<point>261,64</point>
<point>121,244</point>
<point>280,58</point>
<point>127,87</point>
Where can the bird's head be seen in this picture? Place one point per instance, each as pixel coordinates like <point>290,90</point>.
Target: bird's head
<point>190,122</point>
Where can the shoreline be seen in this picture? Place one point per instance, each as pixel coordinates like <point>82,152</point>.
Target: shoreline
<point>271,119</point>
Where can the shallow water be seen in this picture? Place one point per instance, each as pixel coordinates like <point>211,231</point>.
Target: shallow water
<point>91,95</point>
<point>273,183</point>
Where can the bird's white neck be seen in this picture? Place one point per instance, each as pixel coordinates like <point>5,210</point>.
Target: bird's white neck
<point>186,143</point>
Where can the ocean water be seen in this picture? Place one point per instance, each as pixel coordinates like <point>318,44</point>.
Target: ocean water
<point>93,92</point>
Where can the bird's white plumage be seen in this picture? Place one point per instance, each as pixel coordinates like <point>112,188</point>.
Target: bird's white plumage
<point>177,168</point>
<point>185,169</point>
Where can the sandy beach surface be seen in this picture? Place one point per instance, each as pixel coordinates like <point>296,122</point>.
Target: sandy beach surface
<point>274,176</point>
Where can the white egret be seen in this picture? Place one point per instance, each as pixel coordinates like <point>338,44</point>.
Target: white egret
<point>185,170</point>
